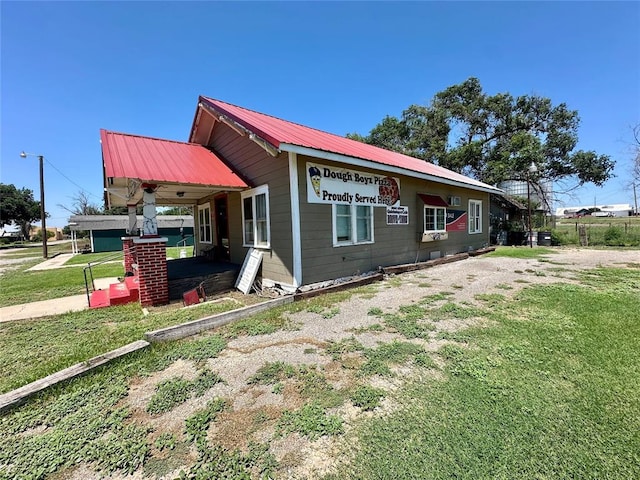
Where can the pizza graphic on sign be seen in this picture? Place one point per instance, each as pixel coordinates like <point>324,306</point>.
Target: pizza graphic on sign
<point>389,191</point>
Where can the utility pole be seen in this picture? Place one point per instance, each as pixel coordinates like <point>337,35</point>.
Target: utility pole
<point>635,199</point>
<point>43,213</point>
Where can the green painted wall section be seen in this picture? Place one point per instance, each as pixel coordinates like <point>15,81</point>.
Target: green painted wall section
<point>110,240</point>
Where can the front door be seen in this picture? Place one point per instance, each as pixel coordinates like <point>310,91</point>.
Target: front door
<point>222,228</point>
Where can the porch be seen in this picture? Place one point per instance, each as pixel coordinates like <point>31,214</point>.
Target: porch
<point>187,273</point>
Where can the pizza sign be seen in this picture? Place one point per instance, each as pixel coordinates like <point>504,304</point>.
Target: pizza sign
<point>342,186</point>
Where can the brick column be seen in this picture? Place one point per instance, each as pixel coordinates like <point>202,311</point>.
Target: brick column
<point>151,253</point>
<point>129,250</point>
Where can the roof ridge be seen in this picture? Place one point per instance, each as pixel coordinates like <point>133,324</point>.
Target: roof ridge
<point>149,138</point>
<point>287,121</point>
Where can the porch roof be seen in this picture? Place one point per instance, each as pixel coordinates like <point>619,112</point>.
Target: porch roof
<point>154,160</point>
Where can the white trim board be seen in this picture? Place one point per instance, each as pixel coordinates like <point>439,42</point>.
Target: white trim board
<point>336,157</point>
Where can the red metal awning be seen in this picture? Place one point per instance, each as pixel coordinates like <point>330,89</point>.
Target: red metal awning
<point>154,160</point>
<point>432,200</point>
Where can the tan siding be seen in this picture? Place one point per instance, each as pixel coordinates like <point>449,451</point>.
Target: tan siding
<point>393,244</point>
<point>259,168</point>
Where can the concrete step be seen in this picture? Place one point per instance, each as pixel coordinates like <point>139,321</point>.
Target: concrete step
<point>118,293</point>
<point>99,299</point>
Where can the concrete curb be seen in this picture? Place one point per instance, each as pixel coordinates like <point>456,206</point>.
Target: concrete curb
<point>177,332</point>
<point>19,395</point>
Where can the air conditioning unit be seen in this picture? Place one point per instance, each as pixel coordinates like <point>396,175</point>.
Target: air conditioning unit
<point>454,201</point>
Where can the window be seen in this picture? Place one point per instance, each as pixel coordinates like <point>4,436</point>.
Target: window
<point>255,217</point>
<point>434,219</point>
<point>204,223</point>
<point>352,224</point>
<point>454,201</point>
<point>475,216</point>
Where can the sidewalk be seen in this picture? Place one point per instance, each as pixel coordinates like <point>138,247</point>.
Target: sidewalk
<point>54,262</point>
<point>44,308</point>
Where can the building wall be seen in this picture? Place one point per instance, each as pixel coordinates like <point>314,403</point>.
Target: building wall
<point>111,240</point>
<point>393,244</point>
<point>258,168</point>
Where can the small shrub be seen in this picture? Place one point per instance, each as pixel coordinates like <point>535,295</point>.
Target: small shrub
<point>614,237</point>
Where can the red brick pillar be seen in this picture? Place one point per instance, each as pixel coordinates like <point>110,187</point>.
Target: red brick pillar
<point>129,250</point>
<point>151,253</point>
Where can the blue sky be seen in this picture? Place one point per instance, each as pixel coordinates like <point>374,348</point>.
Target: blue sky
<point>69,69</point>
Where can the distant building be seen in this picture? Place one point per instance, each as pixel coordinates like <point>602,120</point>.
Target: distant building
<point>106,231</point>
<point>612,210</point>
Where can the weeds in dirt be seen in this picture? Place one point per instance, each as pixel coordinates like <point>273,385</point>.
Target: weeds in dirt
<point>409,321</point>
<point>310,421</point>
<point>367,397</point>
<point>379,360</point>
<point>175,391</point>
<point>272,372</point>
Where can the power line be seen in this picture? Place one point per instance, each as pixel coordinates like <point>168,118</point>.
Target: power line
<point>71,181</point>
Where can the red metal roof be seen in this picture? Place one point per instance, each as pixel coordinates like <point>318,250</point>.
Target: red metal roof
<point>156,160</point>
<point>432,200</point>
<point>281,133</point>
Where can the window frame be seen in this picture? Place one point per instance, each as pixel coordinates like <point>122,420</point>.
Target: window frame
<point>205,207</point>
<point>253,194</point>
<point>475,217</point>
<point>435,216</point>
<point>353,225</point>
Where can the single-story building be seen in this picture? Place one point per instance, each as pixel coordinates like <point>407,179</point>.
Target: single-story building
<point>106,231</point>
<point>317,206</point>
<point>612,210</point>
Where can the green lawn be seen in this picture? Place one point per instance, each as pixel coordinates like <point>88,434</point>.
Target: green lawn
<point>521,252</point>
<point>552,391</point>
<point>33,349</point>
<point>549,389</point>
<point>20,286</point>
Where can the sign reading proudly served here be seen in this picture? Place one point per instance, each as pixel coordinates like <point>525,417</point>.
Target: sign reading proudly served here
<point>333,185</point>
<point>249,270</point>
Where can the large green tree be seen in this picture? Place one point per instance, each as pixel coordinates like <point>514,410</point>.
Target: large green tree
<point>493,138</point>
<point>18,206</point>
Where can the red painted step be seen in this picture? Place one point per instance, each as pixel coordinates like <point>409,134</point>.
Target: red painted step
<point>133,284</point>
<point>99,299</point>
<point>119,294</point>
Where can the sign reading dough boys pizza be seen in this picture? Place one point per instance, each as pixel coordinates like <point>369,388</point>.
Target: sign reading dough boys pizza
<point>342,186</point>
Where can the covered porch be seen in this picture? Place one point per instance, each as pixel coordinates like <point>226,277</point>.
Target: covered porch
<point>154,172</point>
<point>188,273</point>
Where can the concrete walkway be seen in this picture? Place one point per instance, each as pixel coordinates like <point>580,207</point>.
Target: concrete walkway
<point>55,262</point>
<point>44,308</point>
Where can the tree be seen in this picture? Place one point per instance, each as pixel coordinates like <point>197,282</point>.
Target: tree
<point>82,205</point>
<point>493,138</point>
<point>635,167</point>
<point>18,206</point>
<point>177,211</point>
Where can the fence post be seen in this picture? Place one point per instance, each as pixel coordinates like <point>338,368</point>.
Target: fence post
<point>584,240</point>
